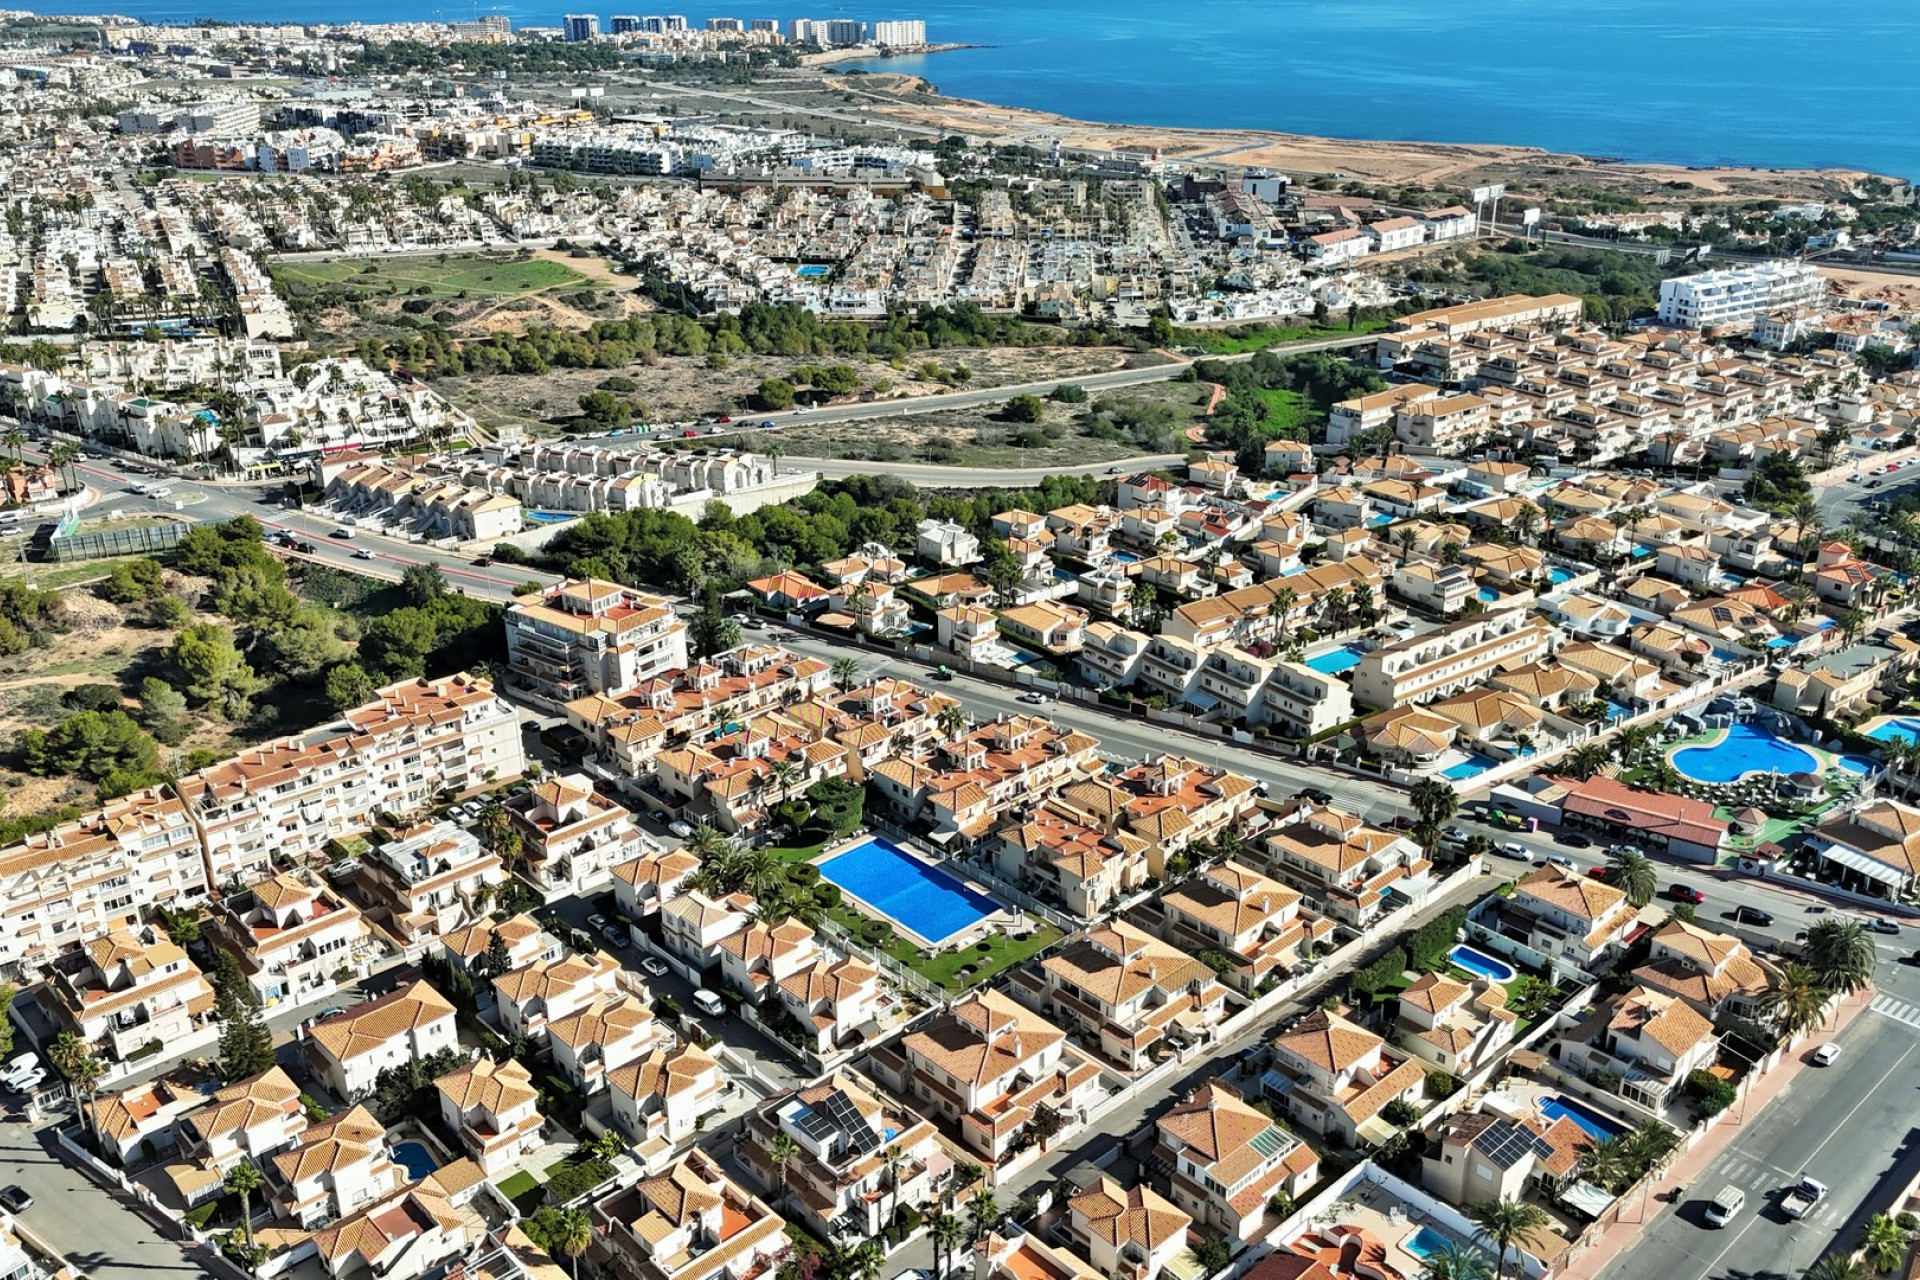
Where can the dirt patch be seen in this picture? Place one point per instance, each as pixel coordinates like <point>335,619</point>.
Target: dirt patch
<point>1899,291</point>
<point>678,389</point>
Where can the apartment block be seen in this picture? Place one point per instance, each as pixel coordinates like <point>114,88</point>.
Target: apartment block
<point>1138,998</point>
<point>349,1050</point>
<point>125,991</point>
<point>62,887</point>
<point>1229,1160</point>
<point>571,838</point>
<point>294,938</point>
<point>427,881</point>
<point>1450,659</point>
<point>394,755</point>
<point>591,636</point>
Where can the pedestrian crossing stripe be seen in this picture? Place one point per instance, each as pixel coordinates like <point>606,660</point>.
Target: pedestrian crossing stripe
<point>1898,1010</point>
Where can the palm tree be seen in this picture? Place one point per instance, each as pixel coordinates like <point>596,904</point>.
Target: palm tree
<point>784,775</point>
<point>761,872</point>
<point>1458,1262</point>
<point>845,671</point>
<point>951,720</point>
<point>243,1180</point>
<point>15,439</point>
<point>1664,777</point>
<point>1836,1266</point>
<point>783,1150</point>
<point>982,1212</point>
<point>1434,800</point>
<point>1630,744</point>
<point>493,822</point>
<point>1840,954</point>
<point>1587,759</point>
<point>893,1159</point>
<point>1648,1145</point>
<point>1798,1002</point>
<point>948,1234</point>
<point>1886,1242</point>
<point>1633,873</point>
<point>1605,1163</point>
<point>1508,1223</point>
<point>571,1235</point>
<point>867,1260</point>
<point>707,843</point>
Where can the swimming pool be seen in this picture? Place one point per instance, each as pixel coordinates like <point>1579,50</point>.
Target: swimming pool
<point>917,896</point>
<point>552,517</point>
<point>1480,964</point>
<point>1333,662</point>
<point>1557,575</point>
<point>812,271</point>
<point>1425,1243</point>
<point>1472,767</point>
<point>1904,729</point>
<point>1488,595</point>
<point>1744,750</point>
<point>415,1159</point>
<point>1596,1125</point>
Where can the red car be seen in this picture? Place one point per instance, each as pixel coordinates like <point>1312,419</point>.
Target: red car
<point>688,434</point>
<point>1685,893</point>
<point>1596,873</point>
<point>725,417</point>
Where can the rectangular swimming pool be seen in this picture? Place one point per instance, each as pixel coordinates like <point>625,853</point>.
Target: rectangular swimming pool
<point>1333,662</point>
<point>1472,767</point>
<point>917,896</point>
<point>1596,1125</point>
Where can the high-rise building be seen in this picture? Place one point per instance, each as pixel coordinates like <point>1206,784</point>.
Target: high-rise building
<point>624,24</point>
<point>653,25</point>
<point>675,22</point>
<point>901,34</point>
<point>1737,296</point>
<point>728,25</point>
<point>769,25</point>
<point>844,31</point>
<point>581,26</point>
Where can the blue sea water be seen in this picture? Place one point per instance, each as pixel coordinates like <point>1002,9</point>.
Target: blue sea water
<point>1760,82</point>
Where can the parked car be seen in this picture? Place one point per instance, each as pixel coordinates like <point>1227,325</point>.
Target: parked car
<point>752,623</point>
<point>1685,893</point>
<point>1597,873</point>
<point>597,920</point>
<point>1878,924</point>
<point>15,1199</point>
<point>342,532</point>
<point>708,1003</point>
<point>680,828</point>
<point>531,726</point>
<point>1317,795</point>
<point>1574,840</point>
<point>1824,1056</point>
<point>654,965</point>
<point>1033,696</point>
<point>1563,862</point>
<point>1744,914</point>
<point>1513,849</point>
<point>614,937</point>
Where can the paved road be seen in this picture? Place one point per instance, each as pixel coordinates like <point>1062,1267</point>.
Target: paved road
<point>930,476</point>
<point>213,502</point>
<point>100,1236</point>
<point>1851,1125</point>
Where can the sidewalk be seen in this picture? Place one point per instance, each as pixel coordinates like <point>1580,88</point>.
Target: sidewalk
<point>1685,1171</point>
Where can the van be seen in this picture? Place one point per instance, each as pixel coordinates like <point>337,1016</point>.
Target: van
<point>1725,1206</point>
<point>709,1003</point>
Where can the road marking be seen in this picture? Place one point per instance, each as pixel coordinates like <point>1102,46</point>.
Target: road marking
<point>1898,1010</point>
<point>1838,1129</point>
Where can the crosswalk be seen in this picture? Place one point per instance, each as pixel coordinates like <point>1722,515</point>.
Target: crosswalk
<point>1899,1010</point>
<point>1763,1183</point>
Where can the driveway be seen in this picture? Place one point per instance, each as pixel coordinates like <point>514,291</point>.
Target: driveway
<point>97,1232</point>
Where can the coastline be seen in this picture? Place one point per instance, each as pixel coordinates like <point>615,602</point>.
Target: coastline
<point>830,57</point>
<point>910,99</point>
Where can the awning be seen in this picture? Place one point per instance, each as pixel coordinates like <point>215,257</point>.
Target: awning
<point>1585,1198</point>
<point>1855,861</point>
<point>1374,1130</point>
<point>1201,700</point>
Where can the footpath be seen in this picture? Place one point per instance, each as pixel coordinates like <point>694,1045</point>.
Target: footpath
<point>1686,1170</point>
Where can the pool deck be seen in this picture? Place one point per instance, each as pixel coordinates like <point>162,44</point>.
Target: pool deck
<point>1004,919</point>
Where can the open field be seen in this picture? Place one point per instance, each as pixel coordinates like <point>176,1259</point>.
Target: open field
<point>429,276</point>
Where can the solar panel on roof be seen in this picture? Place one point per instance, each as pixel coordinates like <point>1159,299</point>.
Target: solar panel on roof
<point>1505,1144</point>
<point>815,1125</point>
<point>860,1135</point>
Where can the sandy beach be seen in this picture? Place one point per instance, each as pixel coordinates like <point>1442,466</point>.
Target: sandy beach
<point>910,100</point>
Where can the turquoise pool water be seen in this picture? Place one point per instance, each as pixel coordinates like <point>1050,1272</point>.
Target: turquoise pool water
<point>1334,662</point>
<point>1597,1126</point>
<point>918,897</point>
<point>552,517</point>
<point>1905,729</point>
<point>1481,964</point>
<point>1472,767</point>
<point>1744,750</point>
<point>812,271</point>
<point>1425,1243</point>
<point>1557,576</point>
<point>1488,595</point>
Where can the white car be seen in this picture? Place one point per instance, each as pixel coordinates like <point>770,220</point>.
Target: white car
<point>654,965</point>
<point>1563,862</point>
<point>680,828</point>
<point>26,1081</point>
<point>1825,1054</point>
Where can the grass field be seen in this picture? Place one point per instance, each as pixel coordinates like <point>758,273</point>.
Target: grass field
<point>1223,342</point>
<point>428,276</point>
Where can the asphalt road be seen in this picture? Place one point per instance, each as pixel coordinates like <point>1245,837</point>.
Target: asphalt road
<point>1851,1125</point>
<point>215,502</point>
<point>100,1235</point>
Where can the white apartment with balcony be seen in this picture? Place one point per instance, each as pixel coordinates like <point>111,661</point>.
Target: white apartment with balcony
<point>339,1166</point>
<point>689,1222</point>
<point>294,939</point>
<point>1229,1160</point>
<point>842,1123</point>
<point>493,1109</point>
<point>126,992</point>
<point>1257,922</point>
<point>349,1050</point>
<point>591,636</point>
<point>1738,295</point>
<point>82,879</point>
<point>571,837</point>
<point>1450,659</point>
<point>428,879</point>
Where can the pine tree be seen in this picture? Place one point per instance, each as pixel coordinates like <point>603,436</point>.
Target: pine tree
<point>246,1046</point>
<point>497,960</point>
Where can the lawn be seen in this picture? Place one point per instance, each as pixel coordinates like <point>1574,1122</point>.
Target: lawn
<point>437,276</point>
<point>1001,953</point>
<point>1285,409</point>
<point>518,1185</point>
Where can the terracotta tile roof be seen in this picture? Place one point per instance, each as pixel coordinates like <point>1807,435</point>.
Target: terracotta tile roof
<point>1329,1041</point>
<point>367,1027</point>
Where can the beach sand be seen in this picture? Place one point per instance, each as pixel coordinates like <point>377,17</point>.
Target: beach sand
<point>908,99</point>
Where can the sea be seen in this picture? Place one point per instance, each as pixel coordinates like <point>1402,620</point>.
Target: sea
<point>1768,83</point>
